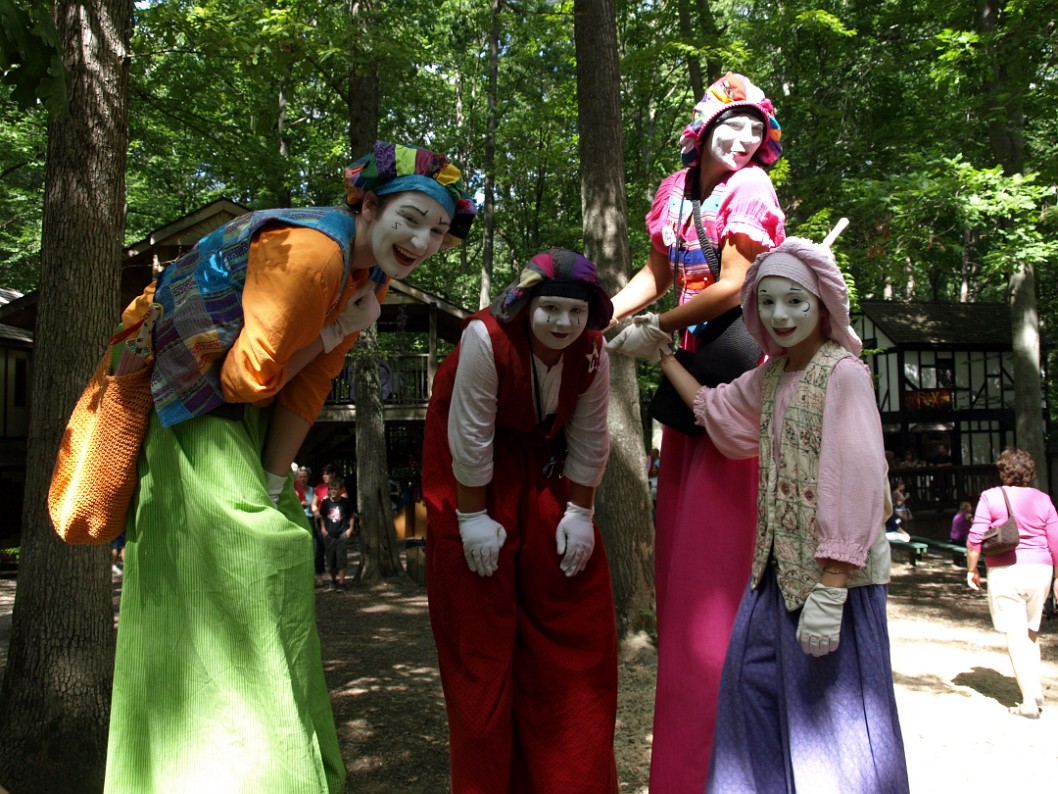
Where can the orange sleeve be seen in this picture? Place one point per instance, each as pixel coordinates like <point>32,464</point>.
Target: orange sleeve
<point>292,278</point>
<point>306,393</point>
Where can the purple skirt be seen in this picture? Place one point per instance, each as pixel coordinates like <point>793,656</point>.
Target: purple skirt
<point>790,722</point>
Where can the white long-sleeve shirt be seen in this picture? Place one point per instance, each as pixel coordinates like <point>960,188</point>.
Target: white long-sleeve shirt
<point>472,414</point>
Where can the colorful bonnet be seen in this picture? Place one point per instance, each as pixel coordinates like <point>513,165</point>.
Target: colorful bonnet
<point>731,91</point>
<point>813,267</point>
<point>556,272</point>
<point>396,168</point>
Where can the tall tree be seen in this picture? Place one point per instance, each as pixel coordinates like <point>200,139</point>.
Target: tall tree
<point>1006,83</point>
<point>378,535</point>
<point>489,163</point>
<point>623,505</point>
<point>55,702</point>
<point>380,552</point>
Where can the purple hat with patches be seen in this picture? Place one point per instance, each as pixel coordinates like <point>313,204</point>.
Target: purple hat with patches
<point>732,91</point>
<point>813,267</point>
<point>561,272</point>
<point>396,168</point>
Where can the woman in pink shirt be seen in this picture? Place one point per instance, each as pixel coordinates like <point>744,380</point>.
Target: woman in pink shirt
<point>1018,581</point>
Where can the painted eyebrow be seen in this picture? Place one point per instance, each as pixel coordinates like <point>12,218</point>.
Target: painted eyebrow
<point>423,213</point>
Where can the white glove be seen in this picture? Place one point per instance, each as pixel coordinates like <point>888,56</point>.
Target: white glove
<point>641,339</point>
<point>275,483</point>
<point>575,537</point>
<point>819,629</point>
<point>482,537</point>
<point>361,310</point>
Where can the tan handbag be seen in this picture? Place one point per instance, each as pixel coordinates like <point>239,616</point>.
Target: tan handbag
<point>95,471</point>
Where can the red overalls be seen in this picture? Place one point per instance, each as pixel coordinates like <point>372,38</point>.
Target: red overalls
<point>528,657</point>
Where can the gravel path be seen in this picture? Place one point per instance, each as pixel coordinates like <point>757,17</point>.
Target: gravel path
<point>953,685</point>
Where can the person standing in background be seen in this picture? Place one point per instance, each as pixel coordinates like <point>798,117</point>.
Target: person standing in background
<point>961,523</point>
<point>1019,581</point>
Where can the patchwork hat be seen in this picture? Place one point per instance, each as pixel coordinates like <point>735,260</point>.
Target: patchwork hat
<point>813,267</point>
<point>562,272</point>
<point>397,168</point>
<point>731,91</point>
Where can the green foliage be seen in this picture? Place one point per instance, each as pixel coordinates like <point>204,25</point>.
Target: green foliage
<point>30,56</point>
<point>886,112</point>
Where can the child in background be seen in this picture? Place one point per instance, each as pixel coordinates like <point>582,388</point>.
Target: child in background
<point>338,516</point>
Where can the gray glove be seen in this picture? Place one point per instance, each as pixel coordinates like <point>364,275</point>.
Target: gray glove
<point>819,629</point>
<point>641,339</point>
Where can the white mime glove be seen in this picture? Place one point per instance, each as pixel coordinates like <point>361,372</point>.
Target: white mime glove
<point>575,538</point>
<point>274,483</point>
<point>482,538</point>
<point>641,339</point>
<point>361,310</point>
<point>819,629</point>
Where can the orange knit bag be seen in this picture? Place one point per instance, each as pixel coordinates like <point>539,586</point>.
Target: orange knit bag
<point>95,471</point>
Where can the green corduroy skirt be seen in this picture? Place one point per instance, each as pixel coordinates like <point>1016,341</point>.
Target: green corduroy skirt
<point>218,680</point>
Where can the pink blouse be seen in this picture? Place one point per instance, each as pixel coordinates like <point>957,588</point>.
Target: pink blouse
<point>852,469</point>
<point>743,202</point>
<point>1037,525</point>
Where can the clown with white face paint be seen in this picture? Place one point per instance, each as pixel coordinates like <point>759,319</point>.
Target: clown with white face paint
<point>821,558</point>
<point>516,443</point>
<point>557,322</point>
<point>409,228</point>
<point>722,203</point>
<point>280,295</point>
<point>735,140</point>
<point>790,315</point>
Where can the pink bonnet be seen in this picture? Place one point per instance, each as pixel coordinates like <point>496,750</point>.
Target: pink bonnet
<point>813,267</point>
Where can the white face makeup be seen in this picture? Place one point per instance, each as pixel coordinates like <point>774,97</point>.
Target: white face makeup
<point>411,227</point>
<point>734,141</point>
<point>789,312</point>
<point>557,322</point>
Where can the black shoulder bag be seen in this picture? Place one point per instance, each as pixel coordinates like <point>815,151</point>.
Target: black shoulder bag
<point>725,350</point>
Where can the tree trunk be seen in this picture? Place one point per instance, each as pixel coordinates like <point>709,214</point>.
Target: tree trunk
<point>55,701</point>
<point>1028,392</point>
<point>687,33</point>
<point>623,505</point>
<point>380,552</point>
<point>489,166</point>
<point>1003,91</point>
<point>362,103</point>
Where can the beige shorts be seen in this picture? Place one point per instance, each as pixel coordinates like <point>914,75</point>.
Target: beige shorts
<point>1016,594</point>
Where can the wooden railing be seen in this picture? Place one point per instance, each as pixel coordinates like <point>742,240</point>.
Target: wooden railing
<point>942,488</point>
<point>405,380</point>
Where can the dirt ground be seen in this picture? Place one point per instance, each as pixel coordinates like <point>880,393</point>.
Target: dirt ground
<point>953,685</point>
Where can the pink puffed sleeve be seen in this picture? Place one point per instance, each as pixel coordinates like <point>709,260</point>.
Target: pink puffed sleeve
<point>852,467</point>
<point>730,414</point>
<point>751,208</point>
<point>658,216</point>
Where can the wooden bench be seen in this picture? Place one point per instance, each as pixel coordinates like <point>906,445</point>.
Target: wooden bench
<point>911,549</point>
<point>958,553</point>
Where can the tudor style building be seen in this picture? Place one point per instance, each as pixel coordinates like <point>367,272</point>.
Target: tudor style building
<point>944,378</point>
